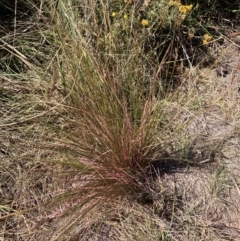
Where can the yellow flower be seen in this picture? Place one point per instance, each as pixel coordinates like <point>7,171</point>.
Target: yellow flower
<point>144,22</point>
<point>125,16</point>
<point>204,42</point>
<point>182,9</point>
<point>185,9</point>
<point>207,38</point>
<point>177,3</point>
<point>114,14</point>
<point>189,7</point>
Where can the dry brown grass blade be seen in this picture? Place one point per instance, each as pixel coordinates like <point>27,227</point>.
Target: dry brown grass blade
<point>15,52</point>
<point>235,183</point>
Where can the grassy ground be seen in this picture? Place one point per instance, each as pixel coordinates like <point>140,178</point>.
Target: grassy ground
<point>119,120</point>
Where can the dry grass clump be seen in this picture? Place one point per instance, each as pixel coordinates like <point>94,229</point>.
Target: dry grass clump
<point>22,31</point>
<point>111,121</point>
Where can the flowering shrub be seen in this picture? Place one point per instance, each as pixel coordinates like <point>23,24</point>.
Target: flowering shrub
<point>149,12</point>
<point>183,9</point>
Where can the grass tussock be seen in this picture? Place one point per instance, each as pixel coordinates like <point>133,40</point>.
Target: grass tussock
<point>112,117</point>
<point>107,129</point>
